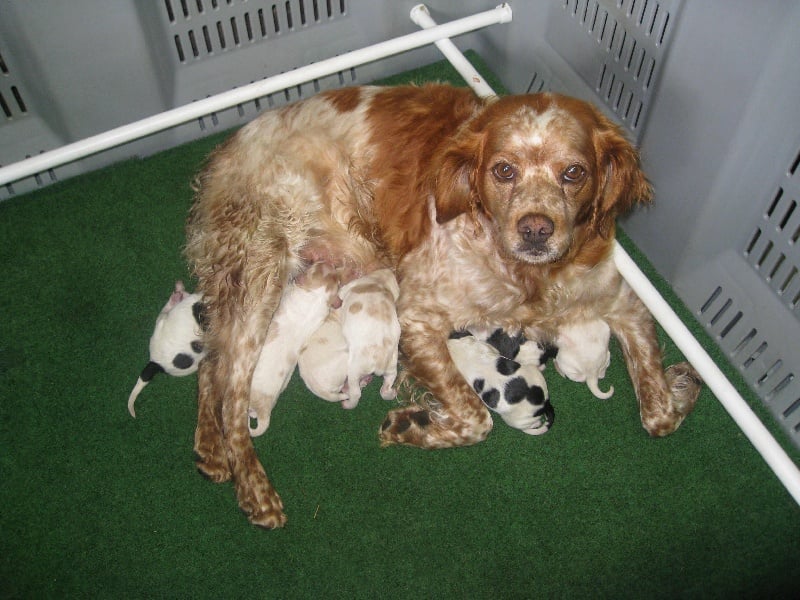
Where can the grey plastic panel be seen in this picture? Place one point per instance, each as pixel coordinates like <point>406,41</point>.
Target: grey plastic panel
<point>617,48</point>
<point>722,148</point>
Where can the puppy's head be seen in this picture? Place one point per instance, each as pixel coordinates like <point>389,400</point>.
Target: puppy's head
<point>541,168</point>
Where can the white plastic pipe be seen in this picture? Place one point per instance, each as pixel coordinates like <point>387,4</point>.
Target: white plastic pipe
<point>421,16</point>
<point>763,441</point>
<point>177,116</point>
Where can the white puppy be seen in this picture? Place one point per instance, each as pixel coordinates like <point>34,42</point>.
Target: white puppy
<point>304,307</point>
<point>516,391</point>
<point>583,354</point>
<point>372,331</point>
<point>323,360</point>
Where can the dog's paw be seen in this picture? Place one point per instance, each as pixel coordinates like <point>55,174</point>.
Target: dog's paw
<point>685,384</point>
<point>268,519</point>
<point>212,465</point>
<point>417,426</point>
<point>684,387</point>
<point>261,503</point>
<point>405,426</point>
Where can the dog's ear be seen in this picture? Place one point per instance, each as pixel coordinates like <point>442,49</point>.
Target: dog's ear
<point>622,182</point>
<point>455,188</point>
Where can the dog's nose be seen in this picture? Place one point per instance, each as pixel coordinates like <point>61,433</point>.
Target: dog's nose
<point>536,228</point>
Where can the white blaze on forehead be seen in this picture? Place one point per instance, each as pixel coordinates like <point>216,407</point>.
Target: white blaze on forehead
<point>533,126</point>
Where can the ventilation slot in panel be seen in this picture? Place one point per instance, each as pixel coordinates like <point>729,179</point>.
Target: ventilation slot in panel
<point>772,248</point>
<point>12,101</point>
<point>16,112</point>
<point>620,52</point>
<point>203,28</point>
<point>542,78</point>
<point>770,375</point>
<point>537,84</point>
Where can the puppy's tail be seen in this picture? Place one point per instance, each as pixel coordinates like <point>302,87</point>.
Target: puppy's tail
<point>594,387</point>
<point>150,370</point>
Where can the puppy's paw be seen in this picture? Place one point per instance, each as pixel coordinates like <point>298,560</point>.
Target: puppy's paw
<point>388,393</point>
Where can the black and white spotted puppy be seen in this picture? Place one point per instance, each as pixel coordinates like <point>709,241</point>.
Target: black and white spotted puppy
<point>514,389</point>
<point>176,346</point>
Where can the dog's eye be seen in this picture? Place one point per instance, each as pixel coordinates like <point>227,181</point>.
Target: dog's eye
<point>505,171</point>
<point>573,173</point>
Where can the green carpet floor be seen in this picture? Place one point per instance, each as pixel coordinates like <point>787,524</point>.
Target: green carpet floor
<point>96,504</point>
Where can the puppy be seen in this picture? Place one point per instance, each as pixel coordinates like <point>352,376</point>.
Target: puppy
<point>517,347</point>
<point>372,331</point>
<point>583,354</point>
<point>515,391</point>
<point>176,346</point>
<point>304,307</point>
<point>323,360</point>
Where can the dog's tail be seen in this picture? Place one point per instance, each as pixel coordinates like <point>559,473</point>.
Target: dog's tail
<point>150,370</point>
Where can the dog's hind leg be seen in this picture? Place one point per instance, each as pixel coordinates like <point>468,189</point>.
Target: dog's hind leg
<point>354,384</point>
<point>239,349</point>
<point>209,447</point>
<point>388,392</point>
<point>242,289</point>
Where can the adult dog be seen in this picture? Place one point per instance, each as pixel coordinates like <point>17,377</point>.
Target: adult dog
<point>525,191</point>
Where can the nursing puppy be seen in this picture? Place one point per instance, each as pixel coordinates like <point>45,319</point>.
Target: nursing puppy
<point>515,391</point>
<point>323,360</point>
<point>372,331</point>
<point>583,354</point>
<point>304,307</point>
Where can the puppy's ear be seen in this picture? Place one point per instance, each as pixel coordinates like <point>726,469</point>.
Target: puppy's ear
<point>622,181</point>
<point>455,188</point>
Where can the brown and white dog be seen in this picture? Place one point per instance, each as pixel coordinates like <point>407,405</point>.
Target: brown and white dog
<point>525,189</point>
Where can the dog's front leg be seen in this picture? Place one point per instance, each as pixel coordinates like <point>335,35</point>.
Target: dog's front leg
<point>665,397</point>
<point>456,416</point>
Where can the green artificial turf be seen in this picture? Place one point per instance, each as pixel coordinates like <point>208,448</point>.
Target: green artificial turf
<point>94,503</point>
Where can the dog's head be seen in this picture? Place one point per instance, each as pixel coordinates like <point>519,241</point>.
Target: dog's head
<point>540,168</point>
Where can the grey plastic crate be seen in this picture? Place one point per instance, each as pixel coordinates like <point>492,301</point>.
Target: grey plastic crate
<point>710,90</point>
